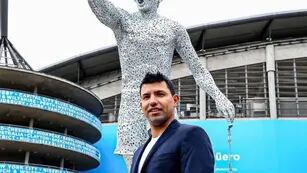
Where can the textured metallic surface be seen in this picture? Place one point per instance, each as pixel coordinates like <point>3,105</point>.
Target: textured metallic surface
<point>146,43</point>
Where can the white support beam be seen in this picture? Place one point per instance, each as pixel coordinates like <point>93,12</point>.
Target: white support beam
<point>270,68</point>
<point>202,97</point>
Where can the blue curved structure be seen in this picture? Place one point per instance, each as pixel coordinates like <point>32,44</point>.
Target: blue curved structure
<point>48,104</point>
<point>11,133</point>
<point>46,125</point>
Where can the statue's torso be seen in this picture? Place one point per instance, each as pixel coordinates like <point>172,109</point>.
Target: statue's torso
<point>144,46</point>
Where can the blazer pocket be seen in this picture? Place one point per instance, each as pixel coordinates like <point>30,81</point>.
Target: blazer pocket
<point>169,156</point>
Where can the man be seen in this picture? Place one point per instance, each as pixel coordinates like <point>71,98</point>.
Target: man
<point>172,147</point>
<point>146,43</point>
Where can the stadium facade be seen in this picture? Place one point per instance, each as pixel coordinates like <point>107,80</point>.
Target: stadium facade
<point>259,63</point>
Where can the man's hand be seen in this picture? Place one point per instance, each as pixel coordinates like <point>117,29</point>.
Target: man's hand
<point>225,108</point>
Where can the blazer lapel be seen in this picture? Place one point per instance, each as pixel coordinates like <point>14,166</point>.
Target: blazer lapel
<point>139,155</point>
<point>165,135</point>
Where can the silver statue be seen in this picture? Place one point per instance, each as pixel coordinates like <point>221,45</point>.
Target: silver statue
<point>146,43</point>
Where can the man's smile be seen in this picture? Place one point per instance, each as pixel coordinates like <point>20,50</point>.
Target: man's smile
<point>154,110</point>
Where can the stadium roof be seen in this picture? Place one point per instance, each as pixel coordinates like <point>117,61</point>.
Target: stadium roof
<point>274,26</point>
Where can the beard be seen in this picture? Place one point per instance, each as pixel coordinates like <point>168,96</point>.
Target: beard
<point>158,120</point>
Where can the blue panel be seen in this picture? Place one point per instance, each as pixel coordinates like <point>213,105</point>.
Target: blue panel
<point>48,104</point>
<point>109,162</point>
<point>274,146</point>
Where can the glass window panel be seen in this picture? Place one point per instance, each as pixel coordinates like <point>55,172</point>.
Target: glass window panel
<point>288,108</point>
<point>189,97</point>
<point>301,70</point>
<point>111,108</point>
<point>285,79</point>
<point>303,107</point>
<point>246,88</point>
<point>291,82</point>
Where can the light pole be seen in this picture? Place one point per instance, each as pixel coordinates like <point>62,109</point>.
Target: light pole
<point>9,56</point>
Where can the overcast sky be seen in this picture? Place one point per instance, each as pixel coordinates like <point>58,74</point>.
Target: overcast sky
<point>46,32</point>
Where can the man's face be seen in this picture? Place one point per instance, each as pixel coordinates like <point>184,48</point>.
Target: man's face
<point>147,5</point>
<point>158,104</point>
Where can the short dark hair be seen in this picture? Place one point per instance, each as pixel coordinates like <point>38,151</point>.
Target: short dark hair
<point>158,77</point>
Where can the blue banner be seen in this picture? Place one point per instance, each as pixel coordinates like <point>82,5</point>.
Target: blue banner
<point>274,146</point>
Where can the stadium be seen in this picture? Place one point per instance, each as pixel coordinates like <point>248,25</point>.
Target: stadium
<point>259,63</point>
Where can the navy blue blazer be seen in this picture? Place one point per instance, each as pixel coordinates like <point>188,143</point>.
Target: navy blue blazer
<point>180,149</point>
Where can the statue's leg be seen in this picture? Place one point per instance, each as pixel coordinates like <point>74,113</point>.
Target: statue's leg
<point>128,160</point>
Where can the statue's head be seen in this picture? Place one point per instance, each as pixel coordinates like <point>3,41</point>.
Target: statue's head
<point>147,5</point>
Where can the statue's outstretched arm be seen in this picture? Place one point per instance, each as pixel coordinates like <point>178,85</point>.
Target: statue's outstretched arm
<point>202,76</point>
<point>106,12</point>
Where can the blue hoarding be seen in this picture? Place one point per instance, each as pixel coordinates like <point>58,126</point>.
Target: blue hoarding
<point>275,146</point>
